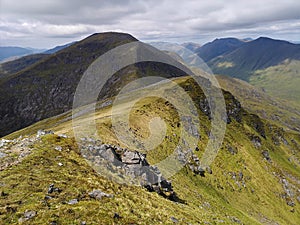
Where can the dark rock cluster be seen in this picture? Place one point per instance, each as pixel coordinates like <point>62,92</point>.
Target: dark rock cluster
<point>127,163</point>
<point>194,165</point>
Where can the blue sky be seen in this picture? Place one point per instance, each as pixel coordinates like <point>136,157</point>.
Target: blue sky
<point>47,23</point>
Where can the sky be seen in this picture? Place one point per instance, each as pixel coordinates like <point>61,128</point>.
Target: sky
<point>47,23</point>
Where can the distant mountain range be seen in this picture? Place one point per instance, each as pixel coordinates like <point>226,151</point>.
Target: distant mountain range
<point>242,59</point>
<point>10,53</point>
<point>218,47</point>
<point>272,65</point>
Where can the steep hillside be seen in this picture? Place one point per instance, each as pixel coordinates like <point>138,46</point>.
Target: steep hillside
<point>254,55</point>
<point>218,47</point>
<point>46,89</point>
<point>281,112</point>
<point>253,180</point>
<point>282,81</point>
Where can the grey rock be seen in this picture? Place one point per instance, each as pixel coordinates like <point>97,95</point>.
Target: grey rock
<point>110,155</point>
<point>206,205</point>
<point>189,126</point>
<point>58,148</point>
<point>73,201</point>
<point>232,150</point>
<point>52,189</point>
<point>106,103</point>
<point>291,203</point>
<point>235,220</point>
<point>97,194</point>
<point>41,133</point>
<point>199,170</point>
<point>2,155</point>
<point>256,141</point>
<point>28,215</point>
<point>130,157</point>
<point>266,155</point>
<point>63,135</point>
<point>133,164</point>
<point>208,170</point>
<point>174,220</point>
<point>241,175</point>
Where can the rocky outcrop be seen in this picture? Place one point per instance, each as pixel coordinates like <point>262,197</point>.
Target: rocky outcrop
<point>233,108</point>
<point>127,163</point>
<point>14,151</point>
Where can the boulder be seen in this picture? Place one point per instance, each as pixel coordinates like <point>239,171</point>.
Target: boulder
<point>73,201</point>
<point>97,194</point>
<point>41,133</point>
<point>27,215</point>
<point>266,155</point>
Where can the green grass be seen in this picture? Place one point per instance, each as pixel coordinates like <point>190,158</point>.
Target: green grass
<point>216,198</point>
<point>253,99</point>
<point>281,81</point>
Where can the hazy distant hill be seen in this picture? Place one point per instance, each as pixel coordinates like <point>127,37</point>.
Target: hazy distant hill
<point>7,52</point>
<point>191,46</point>
<point>218,47</point>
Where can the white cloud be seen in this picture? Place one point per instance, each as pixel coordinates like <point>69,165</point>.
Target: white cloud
<point>36,22</point>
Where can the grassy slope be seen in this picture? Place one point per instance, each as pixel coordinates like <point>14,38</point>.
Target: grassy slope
<point>216,198</point>
<point>281,112</point>
<point>281,81</point>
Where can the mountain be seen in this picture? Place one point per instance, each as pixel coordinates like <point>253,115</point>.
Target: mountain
<point>191,46</point>
<point>47,87</point>
<point>254,55</point>
<point>58,48</point>
<point>218,47</point>
<point>57,169</point>
<point>272,65</point>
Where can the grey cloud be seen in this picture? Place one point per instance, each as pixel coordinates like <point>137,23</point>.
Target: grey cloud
<point>148,20</point>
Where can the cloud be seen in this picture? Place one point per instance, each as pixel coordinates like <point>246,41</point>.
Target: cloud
<point>58,20</point>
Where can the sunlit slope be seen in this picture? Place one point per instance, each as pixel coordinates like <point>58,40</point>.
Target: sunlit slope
<point>247,184</point>
<point>282,81</point>
<point>279,111</point>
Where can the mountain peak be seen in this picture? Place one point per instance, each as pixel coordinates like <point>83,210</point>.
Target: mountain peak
<point>218,47</point>
<point>110,34</point>
<point>267,39</point>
